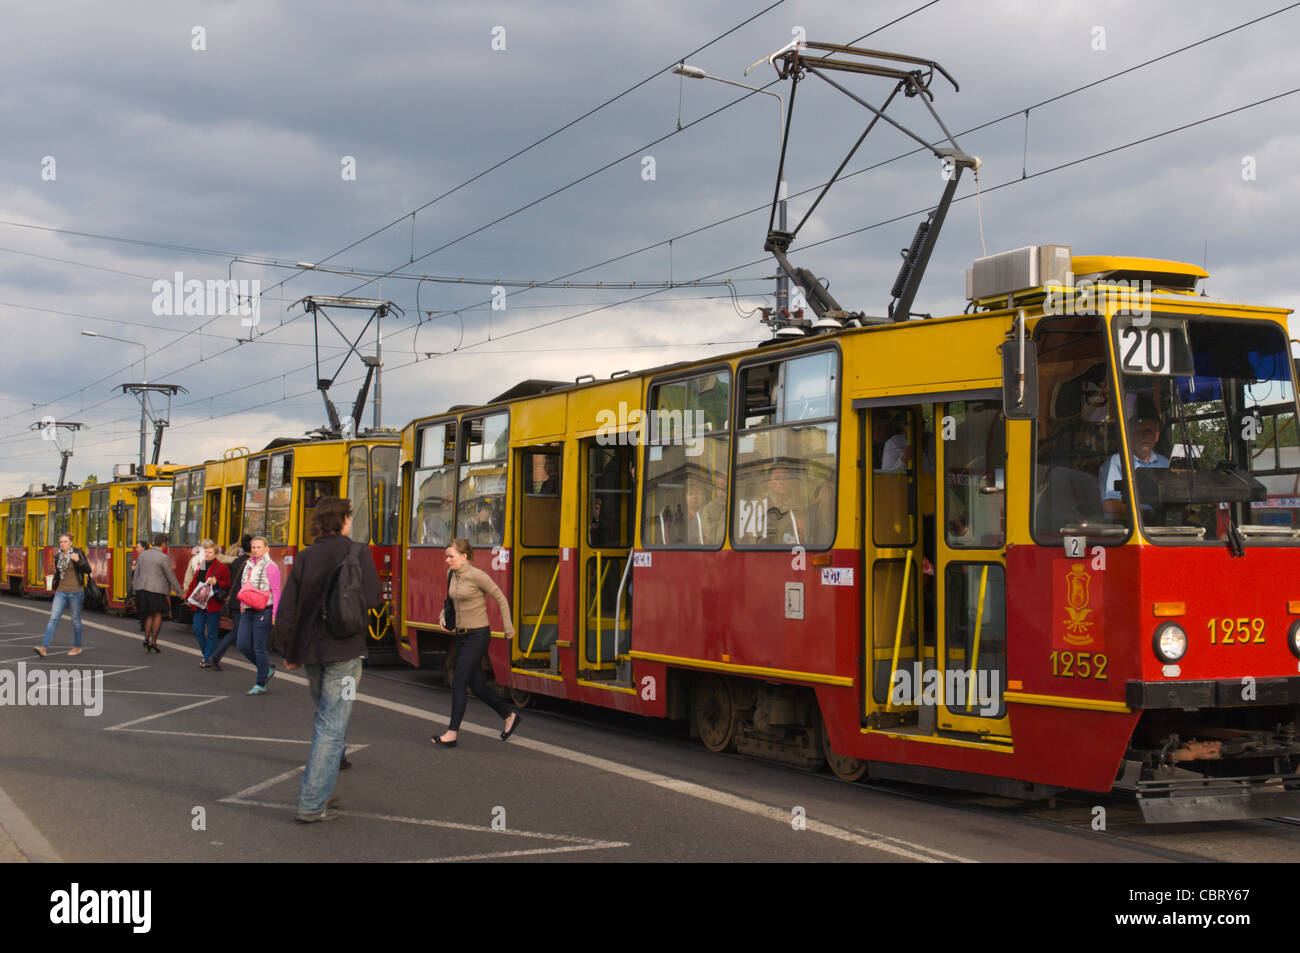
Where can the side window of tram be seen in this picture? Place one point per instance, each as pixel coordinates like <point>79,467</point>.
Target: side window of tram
<point>255,497</point>
<point>481,488</point>
<point>540,515</point>
<point>893,476</point>
<point>279,499</point>
<point>786,448</point>
<point>976,639</point>
<point>1076,431</point>
<point>687,462</point>
<point>385,493</point>
<point>974,443</point>
<point>359,493</point>
<point>434,485</point>
<point>611,479</point>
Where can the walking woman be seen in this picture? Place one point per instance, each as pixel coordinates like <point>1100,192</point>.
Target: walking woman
<point>70,571</point>
<point>469,589</point>
<point>207,621</point>
<point>154,581</point>
<point>260,573</point>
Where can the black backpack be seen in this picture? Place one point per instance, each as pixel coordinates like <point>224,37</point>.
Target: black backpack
<point>343,611</point>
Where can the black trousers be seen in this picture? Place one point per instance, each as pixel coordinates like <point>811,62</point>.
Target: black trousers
<point>470,649</point>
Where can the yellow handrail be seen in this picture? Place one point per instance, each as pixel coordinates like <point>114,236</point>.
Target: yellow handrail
<point>545,602</point>
<point>599,586</point>
<point>898,636</point>
<point>979,624</point>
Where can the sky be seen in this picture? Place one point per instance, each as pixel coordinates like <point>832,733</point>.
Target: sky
<point>518,143</point>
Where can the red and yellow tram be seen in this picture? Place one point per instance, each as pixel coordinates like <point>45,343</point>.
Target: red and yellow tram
<point>908,548</point>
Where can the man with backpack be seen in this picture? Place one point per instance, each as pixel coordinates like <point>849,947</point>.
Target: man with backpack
<point>323,624</point>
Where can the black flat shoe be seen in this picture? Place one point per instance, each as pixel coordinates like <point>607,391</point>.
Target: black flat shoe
<point>216,663</point>
<point>505,735</point>
<point>344,763</point>
<point>442,744</point>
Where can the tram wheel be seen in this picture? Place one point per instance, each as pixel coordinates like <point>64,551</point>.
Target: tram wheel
<point>714,713</point>
<point>520,698</point>
<point>842,766</point>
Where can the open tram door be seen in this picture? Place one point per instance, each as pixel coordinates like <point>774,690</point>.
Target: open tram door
<point>935,546</point>
<point>539,479</point>
<point>605,526</point>
<point>122,545</point>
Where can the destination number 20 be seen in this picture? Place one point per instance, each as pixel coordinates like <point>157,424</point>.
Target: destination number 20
<point>1080,665</point>
<point>1236,631</point>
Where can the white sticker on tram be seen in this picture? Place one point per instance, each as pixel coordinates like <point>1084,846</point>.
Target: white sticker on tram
<point>837,577</point>
<point>641,560</point>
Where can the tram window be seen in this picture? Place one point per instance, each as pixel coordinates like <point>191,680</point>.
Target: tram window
<point>1274,459</point>
<point>385,490</point>
<point>180,494</point>
<point>437,444</point>
<point>540,514</point>
<point>893,476</point>
<point>975,474</point>
<point>481,487</point>
<point>976,639</point>
<point>785,462</point>
<point>611,477</point>
<point>279,499</point>
<point>890,639</point>
<point>1076,432</point>
<point>255,497</point>
<point>687,463</point>
<point>359,493</point>
<point>432,509</point>
<point>160,501</point>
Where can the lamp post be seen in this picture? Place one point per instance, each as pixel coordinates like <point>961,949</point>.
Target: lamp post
<point>144,375</point>
<point>695,72</point>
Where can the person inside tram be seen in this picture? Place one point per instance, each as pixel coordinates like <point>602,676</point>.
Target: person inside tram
<point>787,518</point>
<point>1143,433</point>
<point>889,449</point>
<point>551,485</point>
<point>485,528</point>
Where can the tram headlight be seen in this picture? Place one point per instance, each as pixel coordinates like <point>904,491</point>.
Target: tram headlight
<point>1293,638</point>
<point>1170,642</point>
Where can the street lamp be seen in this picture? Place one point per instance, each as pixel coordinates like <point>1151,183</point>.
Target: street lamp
<point>144,352</point>
<point>695,72</point>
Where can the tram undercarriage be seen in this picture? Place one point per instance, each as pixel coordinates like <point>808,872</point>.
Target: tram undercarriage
<point>1218,764</point>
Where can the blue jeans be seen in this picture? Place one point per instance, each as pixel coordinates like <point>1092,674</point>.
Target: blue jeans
<point>207,630</point>
<point>71,600</point>
<point>334,689</point>
<point>227,640</point>
<point>254,630</point>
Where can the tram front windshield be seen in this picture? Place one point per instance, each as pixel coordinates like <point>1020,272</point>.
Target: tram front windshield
<point>1211,431</point>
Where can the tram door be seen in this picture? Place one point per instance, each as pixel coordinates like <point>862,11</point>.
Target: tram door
<point>537,557</point>
<point>971,567</point>
<point>896,654</point>
<point>606,523</point>
<point>35,550</point>
<point>123,544</point>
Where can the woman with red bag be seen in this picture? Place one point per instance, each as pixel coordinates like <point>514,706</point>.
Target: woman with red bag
<point>259,591</point>
<point>207,613</point>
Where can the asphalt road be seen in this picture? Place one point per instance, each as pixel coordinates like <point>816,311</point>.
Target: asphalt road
<point>179,765</point>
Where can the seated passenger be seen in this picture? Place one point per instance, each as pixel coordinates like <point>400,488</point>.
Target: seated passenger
<point>1143,434</point>
<point>787,521</point>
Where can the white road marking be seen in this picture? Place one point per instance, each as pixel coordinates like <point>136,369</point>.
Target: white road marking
<point>263,785</point>
<point>888,845</point>
<point>31,842</point>
<point>171,711</point>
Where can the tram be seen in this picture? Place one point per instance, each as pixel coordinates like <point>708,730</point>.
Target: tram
<point>272,493</point>
<point>924,549</point>
<point>104,519</point>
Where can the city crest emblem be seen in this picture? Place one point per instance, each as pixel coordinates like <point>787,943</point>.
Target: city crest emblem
<point>1078,608</point>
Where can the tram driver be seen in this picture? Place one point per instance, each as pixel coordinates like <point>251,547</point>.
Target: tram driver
<point>1144,432</point>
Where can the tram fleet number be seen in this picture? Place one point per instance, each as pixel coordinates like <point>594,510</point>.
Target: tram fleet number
<point>1079,665</point>
<point>1236,631</point>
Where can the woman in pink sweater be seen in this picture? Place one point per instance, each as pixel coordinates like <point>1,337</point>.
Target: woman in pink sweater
<point>260,573</point>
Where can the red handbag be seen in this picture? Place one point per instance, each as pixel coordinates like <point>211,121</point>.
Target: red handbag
<point>254,598</point>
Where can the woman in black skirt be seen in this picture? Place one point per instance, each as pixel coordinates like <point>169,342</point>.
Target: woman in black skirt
<point>153,581</point>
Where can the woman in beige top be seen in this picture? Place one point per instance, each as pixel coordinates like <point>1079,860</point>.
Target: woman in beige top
<point>469,588</point>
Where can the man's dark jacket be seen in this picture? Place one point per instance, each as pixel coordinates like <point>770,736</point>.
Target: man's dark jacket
<point>299,634</point>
